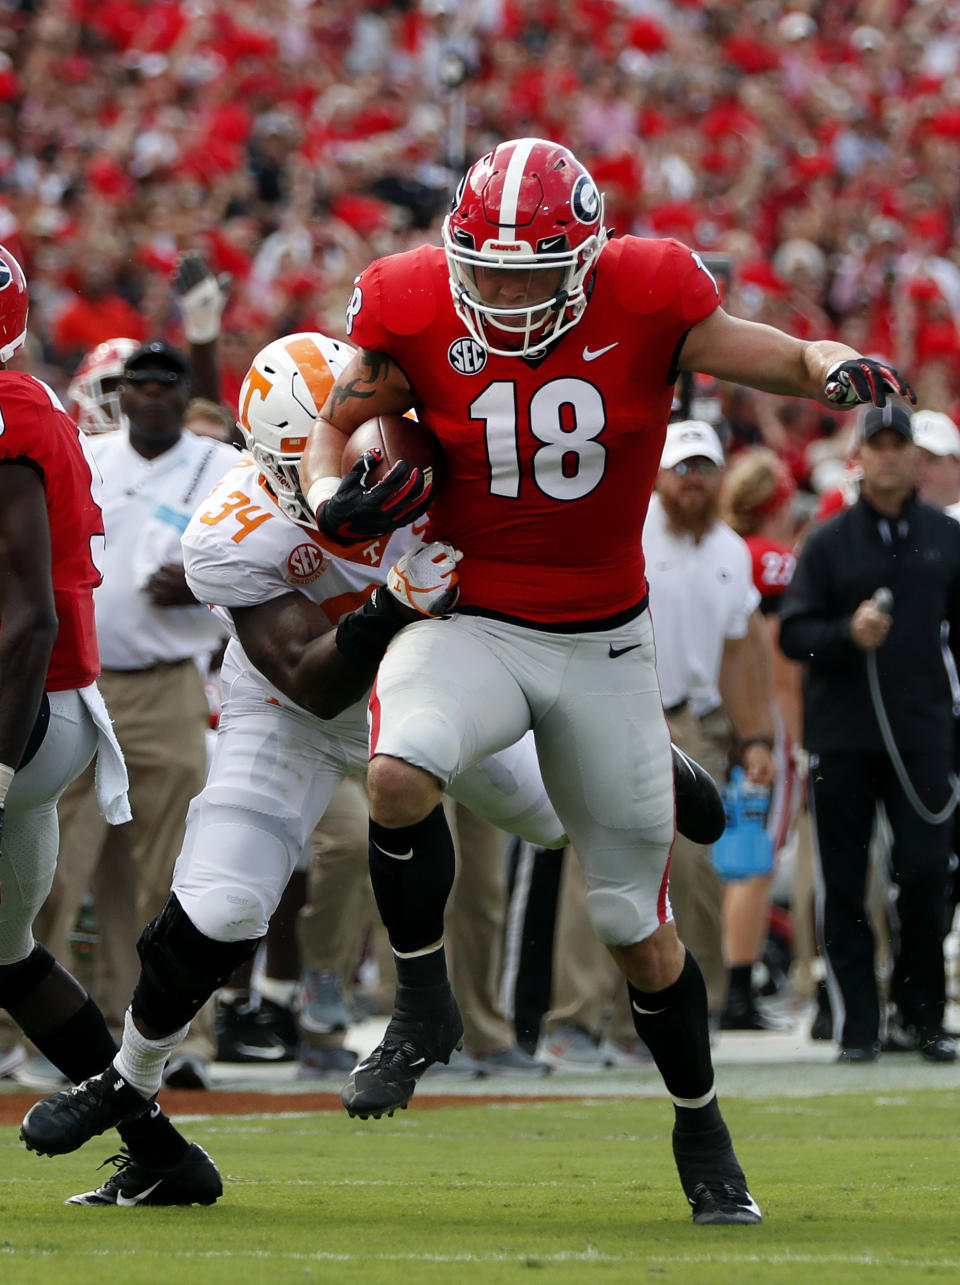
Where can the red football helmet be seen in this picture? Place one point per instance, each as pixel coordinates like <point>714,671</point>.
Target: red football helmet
<point>530,207</point>
<point>93,396</point>
<point>14,303</point>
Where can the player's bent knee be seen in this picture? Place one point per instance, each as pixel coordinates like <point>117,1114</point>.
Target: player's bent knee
<point>227,913</point>
<point>615,918</point>
<point>181,967</point>
<point>400,793</point>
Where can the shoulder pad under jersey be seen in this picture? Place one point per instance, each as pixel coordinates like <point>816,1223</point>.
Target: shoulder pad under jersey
<point>653,274</point>
<point>406,287</point>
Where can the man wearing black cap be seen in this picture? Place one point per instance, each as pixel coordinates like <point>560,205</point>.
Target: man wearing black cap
<point>153,635</point>
<point>865,611</point>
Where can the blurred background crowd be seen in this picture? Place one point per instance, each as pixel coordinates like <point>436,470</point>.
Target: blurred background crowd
<point>290,141</point>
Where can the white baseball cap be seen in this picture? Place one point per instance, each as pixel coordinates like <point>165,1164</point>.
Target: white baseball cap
<point>688,438</point>
<point>935,432</point>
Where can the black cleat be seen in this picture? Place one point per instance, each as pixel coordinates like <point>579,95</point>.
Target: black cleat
<point>712,1180</point>
<point>66,1120</point>
<point>253,1029</point>
<point>412,1042</point>
<point>194,1180</point>
<point>746,1016</point>
<point>700,815</point>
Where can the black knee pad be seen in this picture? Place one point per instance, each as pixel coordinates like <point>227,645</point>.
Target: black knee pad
<point>180,968</point>
<point>18,980</point>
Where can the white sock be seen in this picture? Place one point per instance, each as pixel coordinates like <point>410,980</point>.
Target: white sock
<point>280,992</point>
<point>141,1061</point>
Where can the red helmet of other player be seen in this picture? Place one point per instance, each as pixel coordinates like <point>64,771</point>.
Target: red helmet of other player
<point>94,394</point>
<point>523,235</point>
<point>14,303</point>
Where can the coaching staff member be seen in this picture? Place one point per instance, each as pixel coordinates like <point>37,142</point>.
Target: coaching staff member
<point>831,621</point>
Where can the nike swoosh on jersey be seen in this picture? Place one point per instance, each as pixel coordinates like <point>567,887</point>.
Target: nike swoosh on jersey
<point>646,1012</point>
<point>622,651</point>
<point>127,1201</point>
<point>592,354</point>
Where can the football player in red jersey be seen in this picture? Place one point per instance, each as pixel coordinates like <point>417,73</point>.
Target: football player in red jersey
<point>543,357</point>
<point>52,722</point>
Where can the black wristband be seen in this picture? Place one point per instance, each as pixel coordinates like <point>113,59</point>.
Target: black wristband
<point>756,740</point>
<point>364,635</point>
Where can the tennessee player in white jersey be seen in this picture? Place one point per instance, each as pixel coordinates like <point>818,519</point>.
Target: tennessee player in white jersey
<point>275,762</point>
<point>307,627</point>
<point>543,356</point>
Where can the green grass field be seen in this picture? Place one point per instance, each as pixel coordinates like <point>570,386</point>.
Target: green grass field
<point>853,1187</point>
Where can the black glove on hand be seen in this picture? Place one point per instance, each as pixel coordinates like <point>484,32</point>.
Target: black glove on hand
<point>355,512</point>
<point>861,379</point>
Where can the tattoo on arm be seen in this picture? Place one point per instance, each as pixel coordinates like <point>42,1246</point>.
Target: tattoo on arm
<point>375,371</point>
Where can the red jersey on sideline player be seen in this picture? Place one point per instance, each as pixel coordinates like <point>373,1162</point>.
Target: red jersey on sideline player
<point>37,431</point>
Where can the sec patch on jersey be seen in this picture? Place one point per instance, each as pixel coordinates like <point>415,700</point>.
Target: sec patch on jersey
<point>396,438</point>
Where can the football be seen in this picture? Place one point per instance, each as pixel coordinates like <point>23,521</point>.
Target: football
<point>396,438</point>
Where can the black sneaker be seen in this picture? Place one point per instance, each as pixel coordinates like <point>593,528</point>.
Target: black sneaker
<point>859,1054</point>
<point>194,1180</point>
<point>67,1119</point>
<point>936,1046</point>
<point>712,1180</point>
<point>700,815</point>
<point>413,1041</point>
<point>746,1016</point>
<point>248,1030</point>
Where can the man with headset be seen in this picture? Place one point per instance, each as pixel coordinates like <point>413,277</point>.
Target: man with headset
<point>874,590</point>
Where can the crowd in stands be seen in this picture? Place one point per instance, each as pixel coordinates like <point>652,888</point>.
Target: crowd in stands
<point>817,145</point>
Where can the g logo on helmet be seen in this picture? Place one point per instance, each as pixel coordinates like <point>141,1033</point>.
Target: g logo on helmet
<point>585,200</point>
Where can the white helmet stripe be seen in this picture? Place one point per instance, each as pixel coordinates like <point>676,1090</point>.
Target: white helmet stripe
<point>511,183</point>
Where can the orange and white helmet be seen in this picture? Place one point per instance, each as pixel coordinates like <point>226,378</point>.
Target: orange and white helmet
<point>281,395</point>
<point>93,397</point>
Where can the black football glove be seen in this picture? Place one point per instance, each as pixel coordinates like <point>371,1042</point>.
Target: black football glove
<point>861,379</point>
<point>357,512</point>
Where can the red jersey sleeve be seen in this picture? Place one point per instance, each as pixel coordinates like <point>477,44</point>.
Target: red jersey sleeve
<point>392,296</point>
<point>666,277</point>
